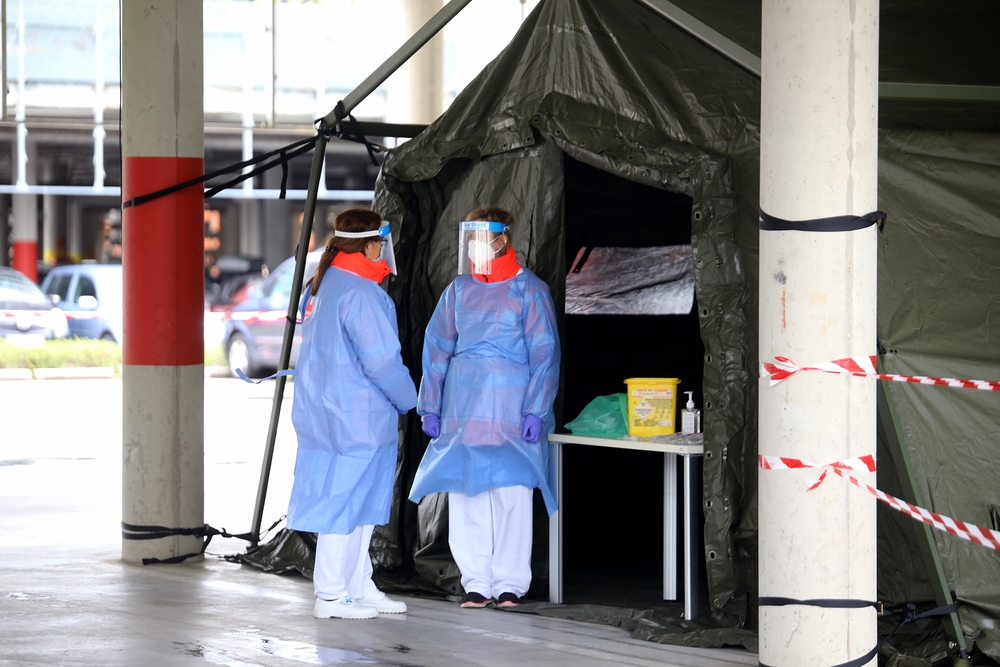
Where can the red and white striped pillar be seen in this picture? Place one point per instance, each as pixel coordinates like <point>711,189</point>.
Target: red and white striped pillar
<point>24,235</point>
<point>24,230</point>
<point>163,247</point>
<point>24,219</point>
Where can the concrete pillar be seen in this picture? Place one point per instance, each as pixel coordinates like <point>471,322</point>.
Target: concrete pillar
<point>99,132</point>
<point>24,235</point>
<point>4,231</point>
<point>229,229</point>
<point>163,352</point>
<point>425,70</point>
<point>279,241</point>
<point>819,99</point>
<point>53,229</point>
<point>74,231</point>
<point>250,233</point>
<point>24,229</point>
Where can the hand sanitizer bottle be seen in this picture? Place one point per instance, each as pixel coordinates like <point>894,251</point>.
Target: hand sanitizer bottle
<point>690,416</point>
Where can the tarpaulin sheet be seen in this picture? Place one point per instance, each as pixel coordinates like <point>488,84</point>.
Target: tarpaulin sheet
<point>631,281</point>
<point>620,89</point>
<point>939,263</point>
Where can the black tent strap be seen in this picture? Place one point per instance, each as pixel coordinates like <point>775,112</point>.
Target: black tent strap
<point>282,159</point>
<point>840,223</point>
<point>908,614</point>
<point>284,154</point>
<point>346,128</point>
<point>135,532</point>
<point>826,603</point>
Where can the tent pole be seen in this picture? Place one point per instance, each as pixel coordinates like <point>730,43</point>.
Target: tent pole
<point>894,442</point>
<point>355,97</point>
<point>818,159</point>
<point>319,156</point>
<point>706,34</point>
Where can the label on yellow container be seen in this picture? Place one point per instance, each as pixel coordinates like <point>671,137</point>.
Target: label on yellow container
<point>652,407</point>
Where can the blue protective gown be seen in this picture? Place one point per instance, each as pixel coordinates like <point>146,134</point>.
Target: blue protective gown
<point>491,356</point>
<point>350,383</point>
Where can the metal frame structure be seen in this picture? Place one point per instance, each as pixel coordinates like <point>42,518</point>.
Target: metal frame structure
<point>328,123</point>
<point>923,92</point>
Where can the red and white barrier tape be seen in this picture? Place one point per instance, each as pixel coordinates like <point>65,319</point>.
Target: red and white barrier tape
<point>782,367</point>
<point>862,464</point>
<point>966,531</point>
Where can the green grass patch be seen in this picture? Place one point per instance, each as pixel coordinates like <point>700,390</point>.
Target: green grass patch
<point>66,353</point>
<point>79,353</point>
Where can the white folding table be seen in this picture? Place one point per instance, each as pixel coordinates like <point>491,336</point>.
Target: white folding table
<point>692,532</point>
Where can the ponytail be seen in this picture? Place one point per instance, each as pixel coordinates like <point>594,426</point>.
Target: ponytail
<point>350,220</point>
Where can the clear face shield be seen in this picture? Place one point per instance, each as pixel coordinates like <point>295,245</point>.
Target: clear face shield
<point>479,242</point>
<point>383,236</point>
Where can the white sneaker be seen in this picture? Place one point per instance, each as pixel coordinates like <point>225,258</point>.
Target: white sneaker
<point>343,608</point>
<point>383,603</point>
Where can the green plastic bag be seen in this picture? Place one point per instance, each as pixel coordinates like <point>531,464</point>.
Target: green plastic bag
<point>604,417</point>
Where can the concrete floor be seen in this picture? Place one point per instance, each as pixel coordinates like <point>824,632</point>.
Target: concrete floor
<point>66,598</point>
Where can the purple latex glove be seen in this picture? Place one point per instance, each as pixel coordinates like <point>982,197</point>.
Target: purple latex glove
<point>532,428</point>
<point>402,412</point>
<point>431,425</point>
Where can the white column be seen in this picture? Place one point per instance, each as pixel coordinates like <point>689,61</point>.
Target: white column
<point>24,230</point>
<point>99,132</point>
<point>4,231</point>
<point>74,231</point>
<point>163,351</point>
<point>24,222</point>
<point>425,70</point>
<point>819,97</point>
<point>53,228</point>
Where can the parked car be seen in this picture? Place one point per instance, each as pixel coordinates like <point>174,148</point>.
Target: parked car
<point>26,314</point>
<point>91,297</point>
<point>233,291</point>
<point>227,281</point>
<point>254,327</point>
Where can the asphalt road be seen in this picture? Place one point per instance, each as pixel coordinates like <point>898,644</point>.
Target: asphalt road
<point>61,450</point>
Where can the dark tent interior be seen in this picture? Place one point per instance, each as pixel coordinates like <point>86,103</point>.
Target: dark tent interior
<point>614,551</point>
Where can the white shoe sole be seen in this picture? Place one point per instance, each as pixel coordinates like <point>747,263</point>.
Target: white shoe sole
<point>385,605</point>
<point>351,612</point>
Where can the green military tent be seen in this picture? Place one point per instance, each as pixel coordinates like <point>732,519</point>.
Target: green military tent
<point>607,125</point>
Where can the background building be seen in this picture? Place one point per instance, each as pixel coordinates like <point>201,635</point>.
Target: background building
<point>270,69</point>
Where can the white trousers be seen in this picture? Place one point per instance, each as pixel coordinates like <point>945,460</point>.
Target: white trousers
<point>343,566</point>
<point>490,539</point>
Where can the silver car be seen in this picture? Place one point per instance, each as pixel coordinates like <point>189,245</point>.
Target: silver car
<point>26,315</point>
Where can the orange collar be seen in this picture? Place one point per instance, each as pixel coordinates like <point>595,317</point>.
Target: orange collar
<point>501,268</point>
<point>358,264</point>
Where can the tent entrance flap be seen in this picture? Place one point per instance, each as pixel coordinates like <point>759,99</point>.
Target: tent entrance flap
<point>613,542</point>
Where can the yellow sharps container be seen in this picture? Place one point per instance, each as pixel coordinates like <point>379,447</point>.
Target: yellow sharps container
<point>652,405</point>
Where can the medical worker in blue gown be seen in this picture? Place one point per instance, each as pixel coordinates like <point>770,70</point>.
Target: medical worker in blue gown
<point>350,388</point>
<point>491,373</point>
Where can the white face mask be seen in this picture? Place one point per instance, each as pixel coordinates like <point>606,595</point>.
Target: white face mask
<point>481,253</point>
